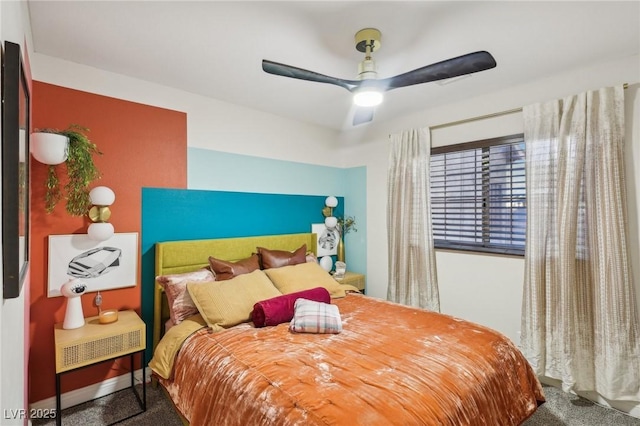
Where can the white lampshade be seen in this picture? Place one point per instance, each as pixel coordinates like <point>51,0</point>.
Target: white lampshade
<point>49,148</point>
<point>368,97</point>
<point>326,262</point>
<point>331,201</point>
<point>100,231</point>
<point>331,222</point>
<point>102,196</point>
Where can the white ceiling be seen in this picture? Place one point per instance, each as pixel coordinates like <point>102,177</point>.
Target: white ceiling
<point>215,48</point>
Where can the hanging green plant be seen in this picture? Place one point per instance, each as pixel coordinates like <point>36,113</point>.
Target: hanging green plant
<point>81,171</point>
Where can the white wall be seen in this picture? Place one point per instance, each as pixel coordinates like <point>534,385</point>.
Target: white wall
<point>211,124</point>
<point>487,288</point>
<point>14,313</point>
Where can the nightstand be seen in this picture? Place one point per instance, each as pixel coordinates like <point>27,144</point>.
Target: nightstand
<point>95,343</point>
<point>354,279</point>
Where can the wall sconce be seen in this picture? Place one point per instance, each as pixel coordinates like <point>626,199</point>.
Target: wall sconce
<point>330,203</point>
<point>330,221</point>
<point>101,198</point>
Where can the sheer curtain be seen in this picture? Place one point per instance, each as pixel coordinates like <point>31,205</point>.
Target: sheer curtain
<point>579,316</point>
<point>412,263</point>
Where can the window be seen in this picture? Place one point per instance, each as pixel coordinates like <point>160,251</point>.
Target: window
<point>478,198</point>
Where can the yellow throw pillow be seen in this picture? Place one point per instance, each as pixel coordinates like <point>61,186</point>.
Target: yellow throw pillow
<point>303,276</point>
<point>227,303</point>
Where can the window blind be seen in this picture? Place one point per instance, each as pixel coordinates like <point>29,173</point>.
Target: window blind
<point>478,195</point>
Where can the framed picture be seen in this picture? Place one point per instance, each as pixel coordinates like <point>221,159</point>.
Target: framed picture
<point>15,171</point>
<point>102,265</point>
<point>327,239</point>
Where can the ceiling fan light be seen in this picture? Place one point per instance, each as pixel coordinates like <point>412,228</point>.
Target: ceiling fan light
<point>368,97</point>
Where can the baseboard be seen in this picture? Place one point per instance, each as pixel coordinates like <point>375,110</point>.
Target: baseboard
<point>88,393</point>
<point>632,408</point>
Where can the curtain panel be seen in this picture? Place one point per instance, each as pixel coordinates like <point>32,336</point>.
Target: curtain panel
<point>412,264</point>
<point>579,313</point>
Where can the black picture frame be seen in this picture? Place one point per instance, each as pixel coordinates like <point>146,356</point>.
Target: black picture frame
<point>15,171</point>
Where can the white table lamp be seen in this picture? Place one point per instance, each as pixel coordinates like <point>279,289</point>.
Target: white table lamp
<point>73,316</point>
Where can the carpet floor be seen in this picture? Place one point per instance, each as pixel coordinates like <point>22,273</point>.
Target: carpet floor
<point>561,409</point>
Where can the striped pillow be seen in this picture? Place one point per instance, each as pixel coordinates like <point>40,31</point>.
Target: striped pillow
<point>315,317</point>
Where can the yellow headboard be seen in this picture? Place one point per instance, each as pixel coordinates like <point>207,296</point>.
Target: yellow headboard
<point>176,257</point>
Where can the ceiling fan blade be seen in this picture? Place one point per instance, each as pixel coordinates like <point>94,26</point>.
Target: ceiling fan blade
<point>454,67</point>
<point>363,115</point>
<point>302,74</point>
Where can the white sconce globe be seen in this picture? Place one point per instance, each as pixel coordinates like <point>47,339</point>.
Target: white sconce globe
<point>331,201</point>
<point>102,196</point>
<point>331,222</point>
<point>100,231</point>
<point>326,262</point>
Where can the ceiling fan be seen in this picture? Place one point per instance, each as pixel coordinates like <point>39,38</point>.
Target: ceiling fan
<point>368,89</point>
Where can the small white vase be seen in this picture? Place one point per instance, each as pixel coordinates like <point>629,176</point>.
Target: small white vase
<point>49,148</point>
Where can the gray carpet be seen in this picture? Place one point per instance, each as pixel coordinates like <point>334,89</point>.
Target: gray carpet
<point>561,409</point>
<point>119,405</point>
<point>564,409</point>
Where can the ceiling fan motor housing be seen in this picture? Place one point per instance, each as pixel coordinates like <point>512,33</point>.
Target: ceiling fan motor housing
<point>367,70</point>
<point>368,37</point>
<point>367,41</point>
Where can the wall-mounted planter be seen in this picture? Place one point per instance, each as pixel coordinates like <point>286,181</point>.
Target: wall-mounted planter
<point>71,147</point>
<point>49,148</point>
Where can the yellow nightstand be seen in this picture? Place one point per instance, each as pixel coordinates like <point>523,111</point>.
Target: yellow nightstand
<point>94,343</point>
<point>354,279</point>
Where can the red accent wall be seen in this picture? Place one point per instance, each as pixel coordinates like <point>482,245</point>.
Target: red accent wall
<point>142,146</point>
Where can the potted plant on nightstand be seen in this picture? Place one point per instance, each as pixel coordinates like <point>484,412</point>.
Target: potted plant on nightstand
<point>49,146</point>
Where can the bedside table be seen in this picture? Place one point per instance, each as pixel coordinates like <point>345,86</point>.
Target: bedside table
<point>95,343</point>
<point>354,279</point>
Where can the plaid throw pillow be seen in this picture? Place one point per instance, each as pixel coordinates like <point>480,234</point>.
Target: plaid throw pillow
<point>315,317</point>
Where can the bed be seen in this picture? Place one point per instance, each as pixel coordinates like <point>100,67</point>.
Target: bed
<point>390,364</point>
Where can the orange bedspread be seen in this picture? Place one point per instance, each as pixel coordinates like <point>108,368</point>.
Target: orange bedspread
<point>391,365</point>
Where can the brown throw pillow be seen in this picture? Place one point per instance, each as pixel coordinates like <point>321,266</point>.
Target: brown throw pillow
<point>226,270</point>
<point>279,258</point>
